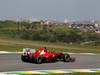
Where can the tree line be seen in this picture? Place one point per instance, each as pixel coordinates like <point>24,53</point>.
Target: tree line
<point>50,33</point>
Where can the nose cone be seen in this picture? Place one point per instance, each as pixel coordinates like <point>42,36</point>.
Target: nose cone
<point>72,59</point>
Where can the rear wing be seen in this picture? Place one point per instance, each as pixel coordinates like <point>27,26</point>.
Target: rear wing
<point>28,51</point>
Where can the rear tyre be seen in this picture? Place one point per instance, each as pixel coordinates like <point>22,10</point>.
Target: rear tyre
<point>66,57</point>
<point>38,60</point>
<point>24,58</point>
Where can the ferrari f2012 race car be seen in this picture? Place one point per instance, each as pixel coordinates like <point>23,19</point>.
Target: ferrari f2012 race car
<point>43,55</point>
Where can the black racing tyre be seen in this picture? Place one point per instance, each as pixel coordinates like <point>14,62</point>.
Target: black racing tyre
<point>24,58</point>
<point>39,60</point>
<point>66,57</point>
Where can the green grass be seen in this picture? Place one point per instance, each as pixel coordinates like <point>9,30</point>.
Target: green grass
<point>13,47</point>
<point>6,46</point>
<point>76,48</point>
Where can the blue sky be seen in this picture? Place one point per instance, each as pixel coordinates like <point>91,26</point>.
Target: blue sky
<point>56,9</point>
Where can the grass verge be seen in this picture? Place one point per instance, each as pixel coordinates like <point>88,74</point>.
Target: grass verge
<point>12,46</point>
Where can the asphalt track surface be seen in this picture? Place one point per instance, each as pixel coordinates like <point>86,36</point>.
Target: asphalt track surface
<point>12,62</point>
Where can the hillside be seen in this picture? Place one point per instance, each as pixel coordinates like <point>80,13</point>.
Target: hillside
<point>53,36</point>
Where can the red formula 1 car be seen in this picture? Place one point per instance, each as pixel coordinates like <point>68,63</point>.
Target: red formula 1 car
<point>44,55</point>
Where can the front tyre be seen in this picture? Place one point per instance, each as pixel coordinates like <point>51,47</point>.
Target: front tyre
<point>66,57</point>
